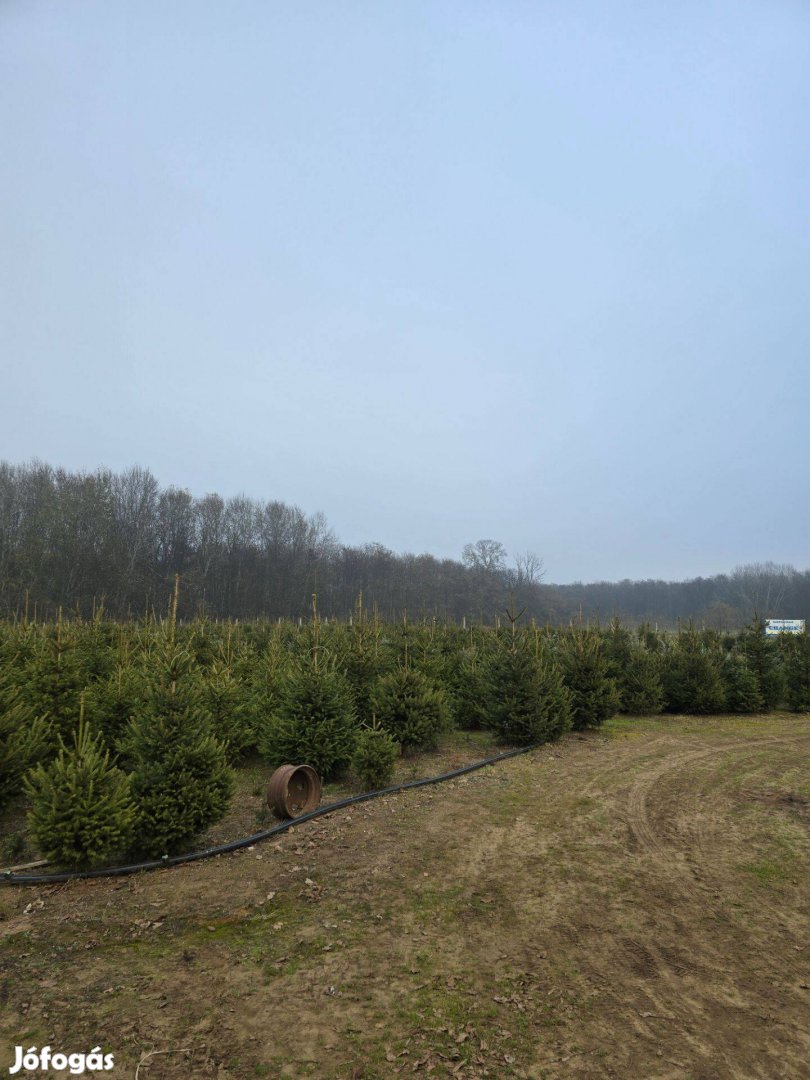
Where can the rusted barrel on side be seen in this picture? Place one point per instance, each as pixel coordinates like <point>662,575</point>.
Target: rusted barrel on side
<point>294,790</point>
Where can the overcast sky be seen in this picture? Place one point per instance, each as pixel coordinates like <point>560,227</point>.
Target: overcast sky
<point>532,271</point>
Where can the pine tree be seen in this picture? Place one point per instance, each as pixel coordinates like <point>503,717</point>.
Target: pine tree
<point>181,782</point>
<point>81,805</point>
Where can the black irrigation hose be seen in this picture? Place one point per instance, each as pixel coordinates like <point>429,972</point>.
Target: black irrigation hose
<point>10,878</point>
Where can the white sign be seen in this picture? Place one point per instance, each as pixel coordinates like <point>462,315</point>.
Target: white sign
<point>784,626</point>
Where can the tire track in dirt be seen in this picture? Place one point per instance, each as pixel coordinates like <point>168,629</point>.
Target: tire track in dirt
<point>638,816</point>
<point>667,979</point>
<point>651,744</point>
<point>713,796</point>
<point>654,958</point>
<point>683,966</point>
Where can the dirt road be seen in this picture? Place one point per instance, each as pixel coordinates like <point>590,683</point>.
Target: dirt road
<point>631,904</point>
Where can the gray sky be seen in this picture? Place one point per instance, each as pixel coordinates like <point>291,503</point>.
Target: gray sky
<point>530,271</point>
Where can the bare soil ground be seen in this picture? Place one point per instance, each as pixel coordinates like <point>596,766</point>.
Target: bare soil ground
<point>633,903</point>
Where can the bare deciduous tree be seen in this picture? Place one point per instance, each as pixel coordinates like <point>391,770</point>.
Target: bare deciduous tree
<point>529,568</point>
<point>761,587</point>
<point>486,555</point>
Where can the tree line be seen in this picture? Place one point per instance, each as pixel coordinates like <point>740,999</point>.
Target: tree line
<point>74,540</point>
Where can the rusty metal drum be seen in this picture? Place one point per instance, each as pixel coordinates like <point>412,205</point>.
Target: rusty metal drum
<point>294,790</point>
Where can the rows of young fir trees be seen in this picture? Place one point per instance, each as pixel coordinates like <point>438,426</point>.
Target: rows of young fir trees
<point>122,739</point>
<point>72,539</point>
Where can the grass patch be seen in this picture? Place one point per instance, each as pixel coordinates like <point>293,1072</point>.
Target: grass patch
<point>767,872</point>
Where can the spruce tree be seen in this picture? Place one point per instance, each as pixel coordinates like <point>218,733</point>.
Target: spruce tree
<point>762,654</point>
<point>94,650</point>
<point>201,643</point>
<point>635,666</point>
<point>691,676</point>
<point>526,698</point>
<point>231,718</point>
<point>618,645</point>
<point>797,672</point>
<point>24,740</point>
<point>53,680</point>
<point>431,653</point>
<point>742,692</point>
<point>375,754</point>
<point>411,708</point>
<point>81,804</point>
<point>111,703</point>
<point>468,688</point>
<point>594,693</point>
<point>642,693</point>
<point>181,782</point>
<point>314,722</point>
<point>650,638</point>
<point>261,674</point>
<point>357,649</point>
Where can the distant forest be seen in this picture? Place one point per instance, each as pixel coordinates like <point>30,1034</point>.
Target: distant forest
<point>78,541</point>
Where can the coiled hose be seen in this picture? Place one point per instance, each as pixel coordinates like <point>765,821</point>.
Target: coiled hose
<point>10,878</point>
